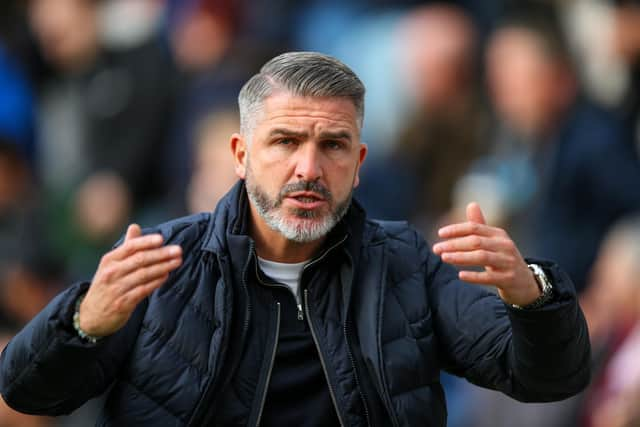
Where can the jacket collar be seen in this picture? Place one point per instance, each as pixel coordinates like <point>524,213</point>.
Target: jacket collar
<point>228,229</point>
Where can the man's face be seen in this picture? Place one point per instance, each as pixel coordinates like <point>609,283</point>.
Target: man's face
<point>523,79</point>
<point>301,164</point>
<point>66,30</point>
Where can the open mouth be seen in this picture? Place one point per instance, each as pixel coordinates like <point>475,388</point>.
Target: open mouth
<point>306,199</point>
<point>306,196</point>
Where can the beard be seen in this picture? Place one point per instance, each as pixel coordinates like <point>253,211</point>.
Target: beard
<point>298,225</point>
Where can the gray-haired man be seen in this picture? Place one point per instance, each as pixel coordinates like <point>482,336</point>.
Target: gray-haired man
<point>286,306</point>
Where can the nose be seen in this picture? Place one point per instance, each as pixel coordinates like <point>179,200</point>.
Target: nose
<point>308,163</point>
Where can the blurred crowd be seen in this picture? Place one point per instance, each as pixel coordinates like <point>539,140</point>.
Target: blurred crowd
<point>114,111</point>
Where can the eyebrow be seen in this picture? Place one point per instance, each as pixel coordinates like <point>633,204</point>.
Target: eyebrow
<point>287,132</point>
<point>323,135</point>
<point>335,135</point>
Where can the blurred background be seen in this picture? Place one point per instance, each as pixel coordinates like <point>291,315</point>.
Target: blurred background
<point>113,111</point>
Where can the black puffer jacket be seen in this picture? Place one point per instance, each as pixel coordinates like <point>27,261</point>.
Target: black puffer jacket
<point>387,313</point>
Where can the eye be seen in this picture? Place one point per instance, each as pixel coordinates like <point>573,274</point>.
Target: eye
<point>285,142</point>
<point>333,145</point>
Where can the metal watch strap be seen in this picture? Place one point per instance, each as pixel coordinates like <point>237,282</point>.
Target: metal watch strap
<point>546,289</point>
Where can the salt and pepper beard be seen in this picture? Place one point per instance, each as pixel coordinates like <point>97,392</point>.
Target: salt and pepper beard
<point>308,225</point>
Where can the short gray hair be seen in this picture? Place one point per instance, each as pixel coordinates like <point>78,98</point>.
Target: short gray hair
<point>300,74</point>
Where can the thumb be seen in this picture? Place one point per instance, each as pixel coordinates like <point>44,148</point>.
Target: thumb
<point>474,213</point>
<point>133,231</point>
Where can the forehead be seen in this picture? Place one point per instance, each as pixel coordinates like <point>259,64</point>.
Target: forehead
<point>283,108</point>
<point>518,43</point>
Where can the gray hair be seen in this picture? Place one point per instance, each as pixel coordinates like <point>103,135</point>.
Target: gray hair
<point>300,74</point>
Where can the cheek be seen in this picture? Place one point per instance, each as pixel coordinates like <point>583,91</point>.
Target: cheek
<point>340,179</point>
<point>270,176</point>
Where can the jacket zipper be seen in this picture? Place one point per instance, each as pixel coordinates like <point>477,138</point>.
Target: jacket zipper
<point>322,362</point>
<point>324,254</point>
<point>355,373</point>
<point>280,285</point>
<point>273,358</point>
<point>297,297</point>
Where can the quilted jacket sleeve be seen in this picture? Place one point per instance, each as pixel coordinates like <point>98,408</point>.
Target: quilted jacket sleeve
<point>533,356</point>
<point>46,369</point>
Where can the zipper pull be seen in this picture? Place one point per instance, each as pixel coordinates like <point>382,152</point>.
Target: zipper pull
<point>300,315</point>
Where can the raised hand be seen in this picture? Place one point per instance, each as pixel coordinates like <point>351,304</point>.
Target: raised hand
<point>475,244</point>
<point>126,275</point>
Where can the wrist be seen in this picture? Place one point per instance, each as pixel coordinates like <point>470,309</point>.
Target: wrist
<point>82,333</point>
<point>544,286</point>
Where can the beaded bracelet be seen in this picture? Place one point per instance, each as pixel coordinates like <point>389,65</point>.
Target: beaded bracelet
<point>76,323</point>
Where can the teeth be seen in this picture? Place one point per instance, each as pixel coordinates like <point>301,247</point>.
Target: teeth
<point>304,199</point>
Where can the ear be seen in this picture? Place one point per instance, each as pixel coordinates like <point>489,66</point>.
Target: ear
<point>361,156</point>
<point>239,150</point>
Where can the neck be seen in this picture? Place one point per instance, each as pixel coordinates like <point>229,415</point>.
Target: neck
<point>273,246</point>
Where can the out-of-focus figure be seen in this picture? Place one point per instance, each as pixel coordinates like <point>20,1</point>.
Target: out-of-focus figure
<point>17,217</point>
<point>27,285</point>
<point>563,168</point>
<point>17,117</point>
<point>213,64</point>
<point>447,127</point>
<point>103,117</point>
<point>213,173</point>
<point>612,310</point>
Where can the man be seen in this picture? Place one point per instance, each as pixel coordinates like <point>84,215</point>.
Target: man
<point>286,306</point>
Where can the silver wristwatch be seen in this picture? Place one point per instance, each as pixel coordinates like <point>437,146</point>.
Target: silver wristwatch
<point>546,289</point>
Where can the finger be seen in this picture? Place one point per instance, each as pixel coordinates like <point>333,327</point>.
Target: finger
<point>481,258</point>
<point>149,274</point>
<point>474,213</point>
<point>129,247</point>
<point>148,257</point>
<point>492,278</point>
<point>137,294</point>
<point>468,228</point>
<point>133,231</point>
<point>469,243</point>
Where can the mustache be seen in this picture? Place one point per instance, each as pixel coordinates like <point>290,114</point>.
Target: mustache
<point>311,186</point>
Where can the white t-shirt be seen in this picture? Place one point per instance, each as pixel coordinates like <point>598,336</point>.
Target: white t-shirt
<point>286,273</point>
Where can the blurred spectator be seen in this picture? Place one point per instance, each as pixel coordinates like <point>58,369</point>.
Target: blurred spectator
<point>128,23</point>
<point>612,308</point>
<point>591,29</point>
<point>214,171</point>
<point>448,127</point>
<point>103,120</point>
<point>27,286</point>
<point>626,44</point>
<point>17,211</point>
<point>17,118</point>
<point>201,31</point>
<point>214,64</point>
<point>436,146</point>
<point>562,169</point>
<point>15,177</point>
<point>370,45</point>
